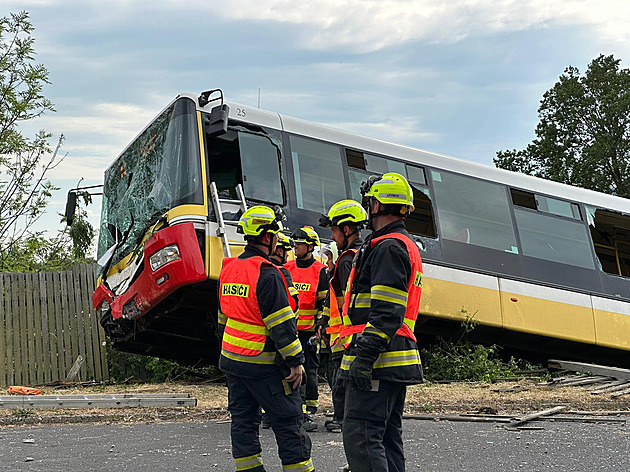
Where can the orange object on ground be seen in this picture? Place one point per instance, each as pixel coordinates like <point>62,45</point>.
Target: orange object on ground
<point>20,390</point>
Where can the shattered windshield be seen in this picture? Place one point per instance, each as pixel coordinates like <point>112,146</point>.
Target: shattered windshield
<point>158,171</point>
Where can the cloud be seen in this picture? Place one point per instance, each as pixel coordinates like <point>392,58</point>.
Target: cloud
<point>94,136</point>
<point>369,25</point>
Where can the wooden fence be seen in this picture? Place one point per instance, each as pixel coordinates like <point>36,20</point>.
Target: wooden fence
<point>46,322</point>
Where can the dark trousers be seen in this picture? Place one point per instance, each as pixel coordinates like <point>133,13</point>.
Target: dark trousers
<point>372,428</point>
<point>337,386</point>
<point>308,390</point>
<point>283,407</point>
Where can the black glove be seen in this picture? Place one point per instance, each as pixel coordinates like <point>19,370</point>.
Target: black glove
<point>361,374</point>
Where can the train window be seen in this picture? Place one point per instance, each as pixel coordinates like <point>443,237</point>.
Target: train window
<point>611,236</point>
<point>545,204</point>
<point>554,239</point>
<point>318,174</point>
<point>474,212</point>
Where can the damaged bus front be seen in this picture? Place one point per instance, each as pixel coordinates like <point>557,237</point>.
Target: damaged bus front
<point>159,251</point>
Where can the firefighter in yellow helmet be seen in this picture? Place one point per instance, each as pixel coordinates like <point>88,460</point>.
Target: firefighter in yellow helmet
<point>279,257</point>
<point>261,354</point>
<point>311,280</point>
<point>345,220</point>
<point>379,315</point>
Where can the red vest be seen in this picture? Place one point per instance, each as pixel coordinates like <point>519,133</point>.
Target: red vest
<point>306,282</point>
<point>414,291</point>
<point>335,322</point>
<point>245,331</point>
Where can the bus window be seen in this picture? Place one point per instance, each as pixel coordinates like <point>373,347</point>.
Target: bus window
<point>554,239</point>
<point>380,165</point>
<point>356,179</point>
<point>224,162</point>
<point>415,175</point>
<point>545,204</point>
<point>260,160</point>
<point>318,174</point>
<point>474,212</point>
<point>375,164</point>
<point>355,159</point>
<point>247,157</point>
<point>611,236</point>
<point>421,221</point>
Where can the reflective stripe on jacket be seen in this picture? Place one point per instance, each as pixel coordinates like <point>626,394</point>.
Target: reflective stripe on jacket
<point>335,322</point>
<point>411,299</point>
<point>245,331</point>
<point>306,281</point>
<point>381,306</point>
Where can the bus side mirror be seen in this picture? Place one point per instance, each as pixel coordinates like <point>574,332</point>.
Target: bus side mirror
<point>71,206</point>
<point>218,122</point>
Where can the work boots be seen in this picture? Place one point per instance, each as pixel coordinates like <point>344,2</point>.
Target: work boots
<point>332,426</point>
<point>308,424</point>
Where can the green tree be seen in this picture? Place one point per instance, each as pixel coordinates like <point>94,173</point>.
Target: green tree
<point>25,162</point>
<point>583,136</point>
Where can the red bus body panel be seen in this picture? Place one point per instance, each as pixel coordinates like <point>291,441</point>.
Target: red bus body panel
<point>145,291</point>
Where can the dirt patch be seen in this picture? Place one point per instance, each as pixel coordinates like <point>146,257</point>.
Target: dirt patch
<point>505,398</point>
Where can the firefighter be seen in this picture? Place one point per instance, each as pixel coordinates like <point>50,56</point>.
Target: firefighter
<point>310,279</point>
<point>330,259</point>
<point>261,354</point>
<point>379,314</point>
<point>345,220</point>
<point>279,258</point>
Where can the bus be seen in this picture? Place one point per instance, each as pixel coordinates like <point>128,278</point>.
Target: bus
<point>538,266</point>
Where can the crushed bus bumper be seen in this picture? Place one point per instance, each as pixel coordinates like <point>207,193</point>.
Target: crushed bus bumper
<point>184,266</point>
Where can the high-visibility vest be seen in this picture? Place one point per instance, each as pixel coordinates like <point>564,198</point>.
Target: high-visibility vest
<point>245,331</point>
<point>293,303</point>
<point>335,323</point>
<point>414,292</point>
<point>306,280</point>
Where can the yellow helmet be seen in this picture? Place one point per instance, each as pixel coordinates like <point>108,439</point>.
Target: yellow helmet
<point>257,220</point>
<point>285,242</point>
<point>390,189</point>
<point>306,235</point>
<point>344,211</point>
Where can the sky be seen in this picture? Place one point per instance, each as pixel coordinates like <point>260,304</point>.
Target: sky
<point>462,77</point>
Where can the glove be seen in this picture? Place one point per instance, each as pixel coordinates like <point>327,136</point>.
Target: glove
<point>360,374</point>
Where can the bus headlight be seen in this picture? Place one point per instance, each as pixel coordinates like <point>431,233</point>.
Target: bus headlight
<point>164,256</point>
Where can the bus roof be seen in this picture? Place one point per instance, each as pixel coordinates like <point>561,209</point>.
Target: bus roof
<point>305,128</point>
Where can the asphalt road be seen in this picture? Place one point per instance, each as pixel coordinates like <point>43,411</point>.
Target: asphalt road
<point>429,446</point>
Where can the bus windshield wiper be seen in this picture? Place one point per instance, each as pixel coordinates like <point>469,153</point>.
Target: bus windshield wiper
<point>117,246</point>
